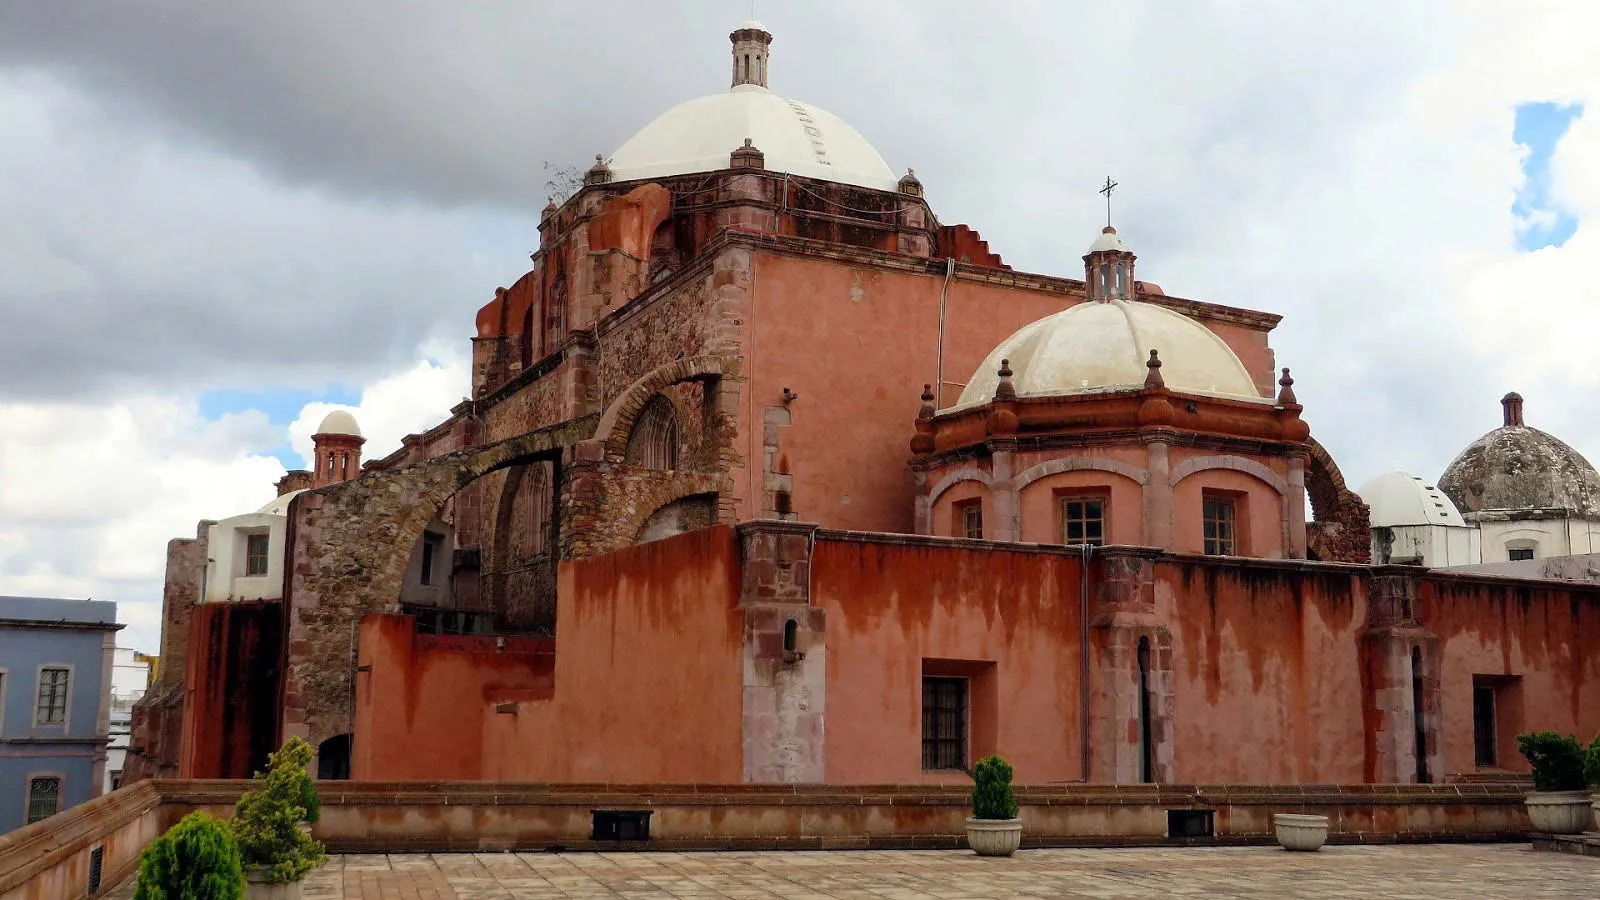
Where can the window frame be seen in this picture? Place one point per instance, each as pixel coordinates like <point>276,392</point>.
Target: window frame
<point>59,778</point>
<point>1064,521</point>
<point>1231,502</point>
<point>66,704</point>
<point>964,745</point>
<point>1512,553</point>
<point>266,552</point>
<point>960,510</point>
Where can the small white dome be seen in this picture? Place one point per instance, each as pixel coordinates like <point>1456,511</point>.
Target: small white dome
<point>1108,240</point>
<point>748,24</point>
<point>697,136</point>
<point>339,422</point>
<point>1098,346</point>
<point>279,506</point>
<point>1400,498</point>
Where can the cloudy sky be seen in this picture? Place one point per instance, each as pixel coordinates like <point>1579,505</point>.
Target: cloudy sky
<point>219,220</point>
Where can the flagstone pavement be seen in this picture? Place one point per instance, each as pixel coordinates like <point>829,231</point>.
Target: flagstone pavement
<point>1417,872</point>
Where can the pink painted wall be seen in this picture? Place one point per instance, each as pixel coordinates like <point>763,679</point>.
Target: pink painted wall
<point>1259,504</point>
<point>889,607</point>
<point>1266,672</point>
<point>1041,505</point>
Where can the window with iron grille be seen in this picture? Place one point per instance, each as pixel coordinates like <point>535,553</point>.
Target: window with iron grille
<point>1083,520</point>
<point>44,798</point>
<point>944,723</point>
<point>969,519</point>
<point>255,554</point>
<point>1516,553</point>
<point>1219,527</point>
<point>52,706</point>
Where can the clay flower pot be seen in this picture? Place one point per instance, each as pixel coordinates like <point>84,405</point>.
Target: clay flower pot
<point>257,887</point>
<point>1560,812</point>
<point>1300,832</point>
<point>994,837</point>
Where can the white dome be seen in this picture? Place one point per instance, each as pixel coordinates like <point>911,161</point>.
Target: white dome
<point>1098,346</point>
<point>1108,240</point>
<point>697,136</point>
<point>280,504</point>
<point>339,422</point>
<point>1399,498</point>
<point>751,24</point>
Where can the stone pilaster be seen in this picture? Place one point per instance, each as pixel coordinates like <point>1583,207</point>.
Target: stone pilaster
<point>785,655</point>
<point>1158,496</point>
<point>1295,508</point>
<point>1400,668</point>
<point>1003,493</point>
<point>1126,637</point>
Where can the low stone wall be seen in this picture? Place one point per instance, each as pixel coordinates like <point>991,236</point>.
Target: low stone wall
<point>50,860</point>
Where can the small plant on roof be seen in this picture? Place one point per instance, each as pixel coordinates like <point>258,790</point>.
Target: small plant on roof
<point>267,821</point>
<point>1556,759</point>
<point>992,797</point>
<point>196,859</point>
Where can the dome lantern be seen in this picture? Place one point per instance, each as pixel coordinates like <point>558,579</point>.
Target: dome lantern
<point>752,45</point>
<point>1108,266</point>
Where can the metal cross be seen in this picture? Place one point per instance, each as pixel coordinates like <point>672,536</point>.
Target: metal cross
<point>1109,187</point>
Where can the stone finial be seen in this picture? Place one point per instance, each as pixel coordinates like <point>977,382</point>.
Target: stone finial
<point>747,157</point>
<point>922,442</point>
<point>1005,390</point>
<point>909,183</point>
<point>599,173</point>
<point>1152,376</point>
<point>549,210</point>
<point>1511,407</point>
<point>927,411</point>
<point>1286,390</point>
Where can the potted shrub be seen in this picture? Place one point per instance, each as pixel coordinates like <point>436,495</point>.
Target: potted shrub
<point>272,825</point>
<point>196,859</point>
<point>993,829</point>
<point>1559,803</point>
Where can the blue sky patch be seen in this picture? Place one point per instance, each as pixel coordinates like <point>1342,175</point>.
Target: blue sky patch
<point>1538,127</point>
<point>281,407</point>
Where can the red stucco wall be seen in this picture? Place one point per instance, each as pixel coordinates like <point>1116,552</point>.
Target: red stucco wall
<point>890,607</point>
<point>231,687</point>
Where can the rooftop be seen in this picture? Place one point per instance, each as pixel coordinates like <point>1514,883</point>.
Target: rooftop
<point>49,610</point>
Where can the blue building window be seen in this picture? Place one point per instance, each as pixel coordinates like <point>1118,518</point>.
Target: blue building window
<point>52,706</point>
<point>44,798</point>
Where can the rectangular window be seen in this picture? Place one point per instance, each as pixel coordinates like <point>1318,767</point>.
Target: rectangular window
<point>944,723</point>
<point>969,520</point>
<point>430,549</point>
<point>1516,553</point>
<point>51,708</point>
<point>44,798</point>
<point>1483,730</point>
<point>1219,527</point>
<point>255,554</point>
<point>1083,520</point>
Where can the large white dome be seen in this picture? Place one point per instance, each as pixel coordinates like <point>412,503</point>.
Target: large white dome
<point>339,422</point>
<point>1097,346</point>
<point>1399,498</point>
<point>697,136</point>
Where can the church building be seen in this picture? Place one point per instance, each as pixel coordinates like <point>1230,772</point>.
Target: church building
<point>767,474</point>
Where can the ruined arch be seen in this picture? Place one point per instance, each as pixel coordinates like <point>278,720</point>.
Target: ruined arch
<point>616,423</point>
<point>519,572</point>
<point>678,516</point>
<point>1341,527</point>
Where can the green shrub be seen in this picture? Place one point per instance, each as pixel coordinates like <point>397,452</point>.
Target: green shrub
<point>992,797</point>
<point>267,821</point>
<point>1591,765</point>
<point>1557,760</point>
<point>196,859</point>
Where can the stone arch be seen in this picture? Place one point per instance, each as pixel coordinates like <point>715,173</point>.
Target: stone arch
<point>1242,464</point>
<point>952,479</point>
<point>1341,529</point>
<point>529,490</point>
<point>684,514</point>
<point>616,423</point>
<point>653,442</point>
<point>1078,464</point>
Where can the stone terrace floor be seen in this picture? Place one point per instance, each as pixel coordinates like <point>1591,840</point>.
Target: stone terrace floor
<point>1423,872</point>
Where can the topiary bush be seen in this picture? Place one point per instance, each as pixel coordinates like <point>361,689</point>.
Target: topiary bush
<point>992,797</point>
<point>1557,760</point>
<point>267,822</point>
<point>1591,765</point>
<point>196,859</point>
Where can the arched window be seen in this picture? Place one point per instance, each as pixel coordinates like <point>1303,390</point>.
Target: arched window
<point>653,443</point>
<point>333,758</point>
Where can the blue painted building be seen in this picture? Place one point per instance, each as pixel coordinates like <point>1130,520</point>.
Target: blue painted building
<point>55,696</point>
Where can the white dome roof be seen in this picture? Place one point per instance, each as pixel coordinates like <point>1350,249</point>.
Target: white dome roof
<point>279,506</point>
<point>1096,346</point>
<point>1399,498</point>
<point>339,422</point>
<point>1108,240</point>
<point>697,136</point>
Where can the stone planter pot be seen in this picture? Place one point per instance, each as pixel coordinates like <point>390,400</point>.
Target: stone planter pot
<point>1596,807</point>
<point>994,837</point>
<point>258,888</point>
<point>1300,832</point>
<point>1560,812</point>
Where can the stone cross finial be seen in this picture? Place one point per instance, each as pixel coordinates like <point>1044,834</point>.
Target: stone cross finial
<point>1152,377</point>
<point>1286,389</point>
<point>1511,407</point>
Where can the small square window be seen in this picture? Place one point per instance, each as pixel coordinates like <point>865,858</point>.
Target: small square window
<point>44,798</point>
<point>1083,520</point>
<point>944,723</point>
<point>51,708</point>
<point>1220,527</point>
<point>969,519</point>
<point>255,554</point>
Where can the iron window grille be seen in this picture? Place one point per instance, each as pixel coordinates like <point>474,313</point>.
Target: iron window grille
<point>52,706</point>
<point>944,723</point>
<point>44,798</point>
